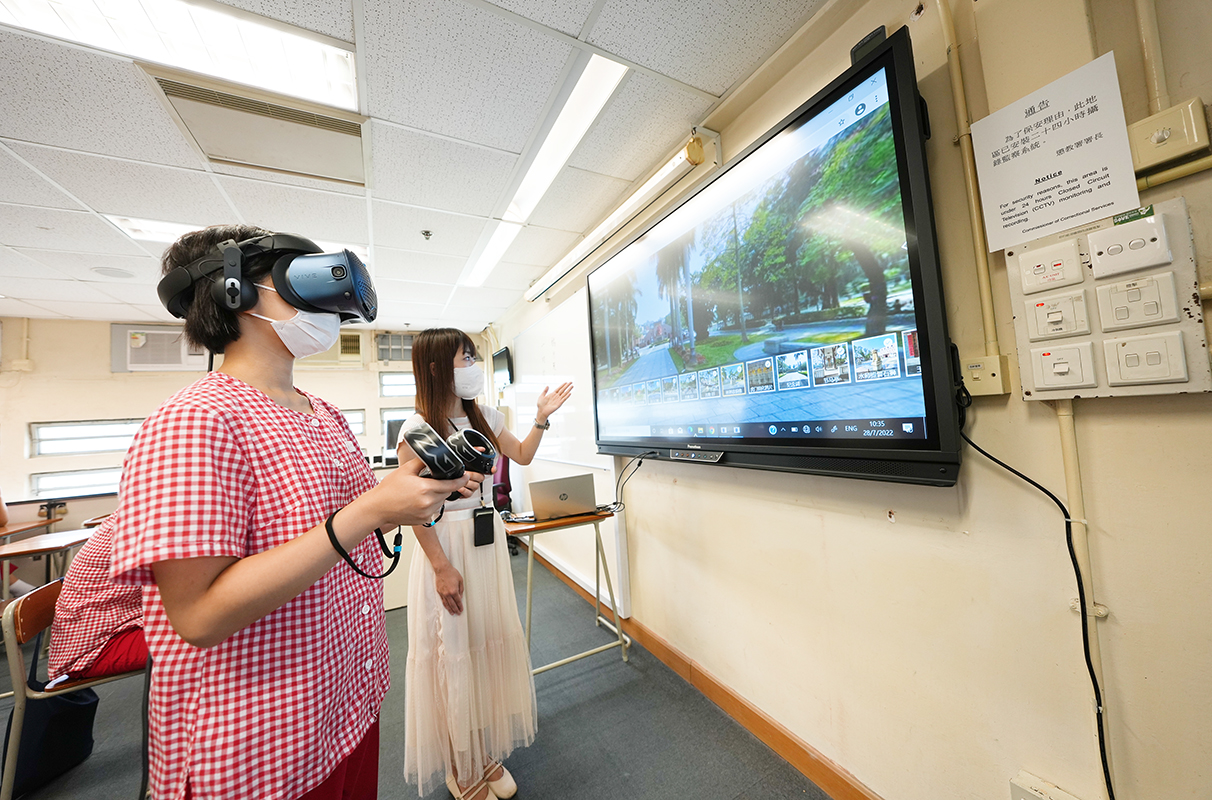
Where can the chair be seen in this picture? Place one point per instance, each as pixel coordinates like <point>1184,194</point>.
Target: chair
<point>25,618</point>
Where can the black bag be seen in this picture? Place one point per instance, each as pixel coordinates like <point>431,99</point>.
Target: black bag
<point>57,733</point>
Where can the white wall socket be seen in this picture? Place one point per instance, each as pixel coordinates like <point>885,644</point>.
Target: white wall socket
<point>1169,134</point>
<point>1025,786</point>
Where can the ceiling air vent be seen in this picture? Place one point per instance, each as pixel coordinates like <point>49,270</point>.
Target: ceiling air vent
<point>247,127</point>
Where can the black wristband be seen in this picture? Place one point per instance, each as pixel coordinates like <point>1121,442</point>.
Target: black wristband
<point>393,553</point>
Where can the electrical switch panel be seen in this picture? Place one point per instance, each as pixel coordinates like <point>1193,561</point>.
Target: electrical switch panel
<point>1057,316</point>
<point>1050,267</point>
<point>1149,300</point>
<point>1111,308</point>
<point>1156,358</point>
<point>1129,246</point>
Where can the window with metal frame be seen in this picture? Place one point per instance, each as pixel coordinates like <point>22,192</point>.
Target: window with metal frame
<point>397,384</point>
<point>356,417</point>
<point>76,483</point>
<point>86,436</point>
<point>394,346</point>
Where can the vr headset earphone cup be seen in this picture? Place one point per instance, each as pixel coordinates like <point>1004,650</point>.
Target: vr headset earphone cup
<point>304,276</point>
<point>450,458</point>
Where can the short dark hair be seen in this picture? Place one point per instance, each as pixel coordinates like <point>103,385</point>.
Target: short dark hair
<point>206,323</point>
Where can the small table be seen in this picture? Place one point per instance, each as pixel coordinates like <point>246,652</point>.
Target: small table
<point>45,544</point>
<point>529,529</point>
<point>12,529</point>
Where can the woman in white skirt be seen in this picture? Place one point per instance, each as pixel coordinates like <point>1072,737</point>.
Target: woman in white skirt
<point>469,694</point>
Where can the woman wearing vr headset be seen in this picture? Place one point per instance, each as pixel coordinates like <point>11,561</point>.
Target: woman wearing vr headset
<point>469,695</point>
<point>270,654</point>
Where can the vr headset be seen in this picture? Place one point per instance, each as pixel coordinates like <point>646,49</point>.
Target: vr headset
<point>305,277</point>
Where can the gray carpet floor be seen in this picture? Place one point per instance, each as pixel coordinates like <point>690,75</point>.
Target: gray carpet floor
<point>607,729</point>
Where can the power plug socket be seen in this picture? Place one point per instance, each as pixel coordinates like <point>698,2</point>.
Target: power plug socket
<point>986,374</point>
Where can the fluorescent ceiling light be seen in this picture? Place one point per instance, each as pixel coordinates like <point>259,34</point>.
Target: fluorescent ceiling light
<point>593,89</point>
<point>153,230</point>
<point>673,169</point>
<point>200,38</point>
<point>501,238</point>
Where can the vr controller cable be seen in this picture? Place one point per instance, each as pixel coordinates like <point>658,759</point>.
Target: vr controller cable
<point>390,552</point>
<point>964,402</point>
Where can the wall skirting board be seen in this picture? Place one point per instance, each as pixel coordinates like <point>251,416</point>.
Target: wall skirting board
<point>831,778</point>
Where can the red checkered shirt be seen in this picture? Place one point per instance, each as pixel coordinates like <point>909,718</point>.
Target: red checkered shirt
<point>222,470</point>
<point>91,609</point>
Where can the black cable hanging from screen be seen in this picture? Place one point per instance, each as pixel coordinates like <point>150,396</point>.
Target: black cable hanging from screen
<point>964,401</point>
<point>618,504</point>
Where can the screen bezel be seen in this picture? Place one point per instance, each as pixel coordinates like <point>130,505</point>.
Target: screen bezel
<point>933,460</point>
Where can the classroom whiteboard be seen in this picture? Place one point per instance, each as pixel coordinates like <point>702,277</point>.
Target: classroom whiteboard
<point>551,351</point>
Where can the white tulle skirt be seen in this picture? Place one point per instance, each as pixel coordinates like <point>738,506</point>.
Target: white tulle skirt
<point>468,692</point>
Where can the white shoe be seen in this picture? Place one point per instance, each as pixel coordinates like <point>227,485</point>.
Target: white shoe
<point>471,792</point>
<point>503,787</point>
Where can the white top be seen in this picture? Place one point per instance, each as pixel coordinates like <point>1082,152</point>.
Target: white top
<point>496,421</point>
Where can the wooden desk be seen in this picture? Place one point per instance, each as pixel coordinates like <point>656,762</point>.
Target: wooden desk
<point>529,529</point>
<point>12,529</point>
<point>46,544</point>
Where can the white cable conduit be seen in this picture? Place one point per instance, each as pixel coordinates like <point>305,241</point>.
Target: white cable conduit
<point>1150,45</point>
<point>975,213</point>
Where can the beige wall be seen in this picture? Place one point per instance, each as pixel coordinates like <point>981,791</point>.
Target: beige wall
<point>935,656</point>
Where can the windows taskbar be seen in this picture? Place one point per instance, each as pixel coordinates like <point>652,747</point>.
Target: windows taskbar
<point>867,428</point>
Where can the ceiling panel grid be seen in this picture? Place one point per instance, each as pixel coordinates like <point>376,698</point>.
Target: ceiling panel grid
<point>400,226</point>
<point>19,265</point>
<point>451,68</point>
<point>330,17</point>
<point>55,229</point>
<point>317,215</point>
<point>436,172</point>
<point>540,246</point>
<point>567,16</point>
<point>709,44</point>
<point>407,265</point>
<point>25,186</point>
<point>81,266</point>
<point>289,179</point>
<point>83,100</point>
<point>131,188</point>
<point>577,199</point>
<point>647,119</point>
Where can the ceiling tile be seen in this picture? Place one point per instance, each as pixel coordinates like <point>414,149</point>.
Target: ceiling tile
<point>472,323</point>
<point>22,185</point>
<point>449,67</point>
<point>710,44</point>
<point>396,314</point>
<point>80,266</point>
<point>286,178</point>
<point>105,312</point>
<point>17,308</point>
<point>437,173</point>
<point>37,289</point>
<point>475,300</point>
<point>18,265</point>
<point>53,229</point>
<point>156,312</point>
<point>411,293</point>
<point>514,276</point>
<point>567,16</point>
<point>406,265</point>
<point>317,215</point>
<point>540,246</point>
<point>647,119</point>
<point>577,199</point>
<point>137,294</point>
<point>83,100</point>
<point>400,227</point>
<point>132,189</point>
<point>330,17</point>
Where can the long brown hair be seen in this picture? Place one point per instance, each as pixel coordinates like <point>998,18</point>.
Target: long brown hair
<point>433,354</point>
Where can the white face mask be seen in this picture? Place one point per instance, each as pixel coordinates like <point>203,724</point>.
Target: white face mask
<point>307,332</point>
<point>468,382</point>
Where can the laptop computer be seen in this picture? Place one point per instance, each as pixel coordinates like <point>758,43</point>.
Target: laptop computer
<point>562,497</point>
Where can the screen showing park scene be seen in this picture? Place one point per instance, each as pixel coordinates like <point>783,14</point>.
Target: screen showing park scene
<point>777,302</point>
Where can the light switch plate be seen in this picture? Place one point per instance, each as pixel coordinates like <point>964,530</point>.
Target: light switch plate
<point>1154,358</point>
<point>985,375</point>
<point>1064,366</point>
<point>1167,135</point>
<point>1130,246</point>
<point>1050,267</point>
<point>1057,316</point>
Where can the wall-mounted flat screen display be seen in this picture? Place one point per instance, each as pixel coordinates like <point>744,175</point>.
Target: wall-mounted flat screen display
<point>789,314</point>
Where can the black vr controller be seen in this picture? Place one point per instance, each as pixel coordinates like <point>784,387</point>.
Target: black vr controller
<point>447,459</point>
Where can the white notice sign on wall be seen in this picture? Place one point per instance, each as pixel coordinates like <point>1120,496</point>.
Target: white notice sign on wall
<point>1055,159</point>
